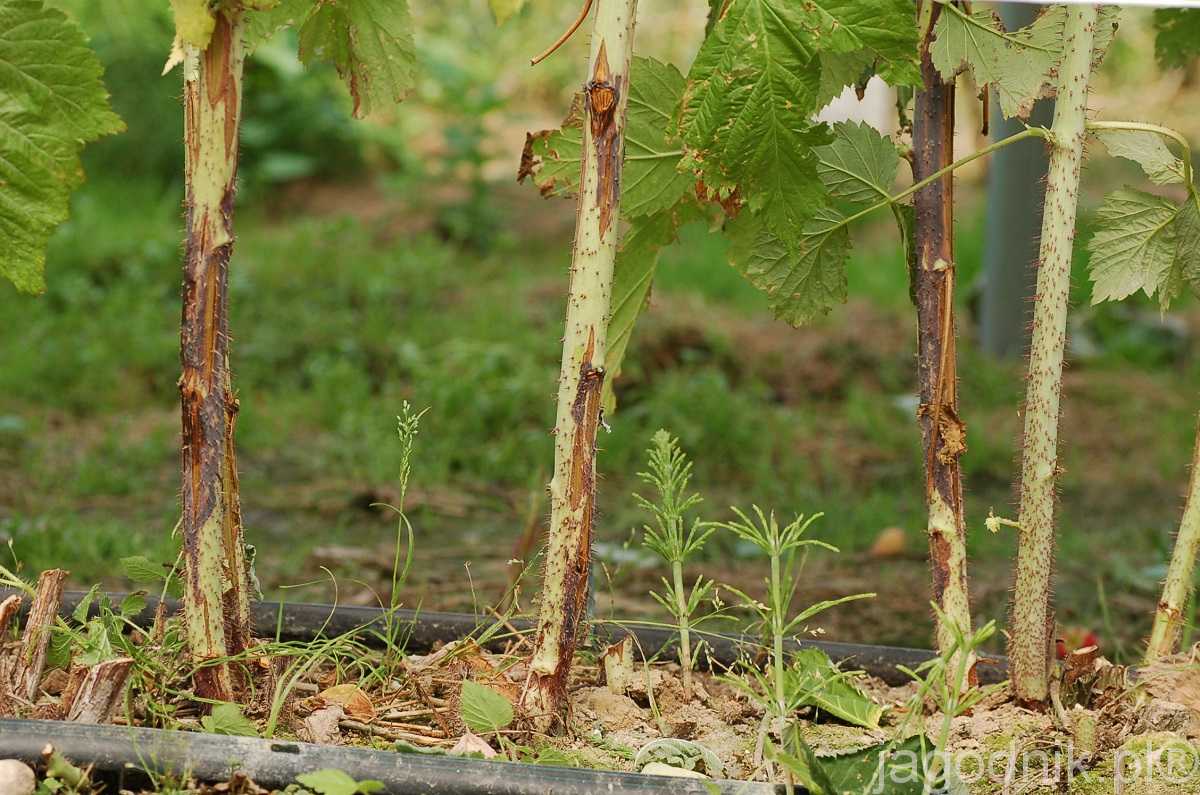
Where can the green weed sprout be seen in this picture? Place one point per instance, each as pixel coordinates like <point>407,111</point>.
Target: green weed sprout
<point>674,540</point>
<point>946,681</point>
<point>780,545</point>
<point>408,425</point>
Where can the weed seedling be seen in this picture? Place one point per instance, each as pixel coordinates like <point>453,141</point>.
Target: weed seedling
<point>782,545</point>
<point>674,540</point>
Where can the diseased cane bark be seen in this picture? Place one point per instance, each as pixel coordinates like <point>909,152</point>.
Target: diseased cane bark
<point>1031,641</point>
<point>573,485</point>
<point>100,692</point>
<point>942,432</point>
<point>1168,618</point>
<point>35,640</point>
<point>216,597</point>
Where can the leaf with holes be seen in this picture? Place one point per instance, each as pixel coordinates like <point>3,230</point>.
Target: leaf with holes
<point>370,42</point>
<point>53,103</point>
<point>746,114</point>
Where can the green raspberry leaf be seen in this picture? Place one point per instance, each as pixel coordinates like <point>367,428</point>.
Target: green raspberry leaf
<point>1185,271</point>
<point>483,709</point>
<point>823,686</point>
<point>804,279</point>
<point>746,115</point>
<point>261,25</point>
<point>370,42</point>
<point>651,180</point>
<point>1148,150</point>
<point>633,276</point>
<point>1020,64</point>
<point>1136,246</point>
<point>552,158</point>
<point>860,165</point>
<point>881,32</point>
<point>227,718</point>
<point>53,102</point>
<point>1178,36</point>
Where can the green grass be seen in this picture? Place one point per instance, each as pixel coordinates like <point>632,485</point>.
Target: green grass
<point>336,322</point>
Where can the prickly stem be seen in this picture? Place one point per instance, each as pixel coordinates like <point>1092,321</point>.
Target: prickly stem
<point>573,485</point>
<point>943,433</point>
<point>1168,618</point>
<point>216,599</point>
<point>1031,638</point>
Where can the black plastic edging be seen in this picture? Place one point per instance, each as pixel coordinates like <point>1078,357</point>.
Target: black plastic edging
<point>275,764</point>
<point>427,629</point>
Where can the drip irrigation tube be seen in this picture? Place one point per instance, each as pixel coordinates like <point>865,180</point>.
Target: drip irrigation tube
<point>129,755</point>
<point>428,629</point>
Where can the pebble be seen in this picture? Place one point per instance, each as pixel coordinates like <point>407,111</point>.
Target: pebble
<point>16,778</point>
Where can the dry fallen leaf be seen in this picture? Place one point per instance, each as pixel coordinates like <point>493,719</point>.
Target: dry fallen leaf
<point>322,724</point>
<point>472,744</point>
<point>352,699</point>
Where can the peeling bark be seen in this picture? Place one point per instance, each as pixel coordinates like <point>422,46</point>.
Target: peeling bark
<point>942,432</point>
<point>35,641</point>
<point>1031,641</point>
<point>216,596</point>
<point>100,691</point>
<point>573,485</point>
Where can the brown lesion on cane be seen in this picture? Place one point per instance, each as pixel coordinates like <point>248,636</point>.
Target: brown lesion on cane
<point>581,497</point>
<point>602,94</point>
<point>221,83</point>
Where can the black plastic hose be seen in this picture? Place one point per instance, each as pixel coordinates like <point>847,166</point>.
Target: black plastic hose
<point>125,751</point>
<point>427,629</point>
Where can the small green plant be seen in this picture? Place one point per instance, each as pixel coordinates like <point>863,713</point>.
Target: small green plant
<point>332,781</point>
<point>785,546</point>
<point>674,540</point>
<point>408,425</point>
<point>945,681</point>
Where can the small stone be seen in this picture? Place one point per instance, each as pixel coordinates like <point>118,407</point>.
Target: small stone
<point>1164,716</point>
<point>322,725</point>
<point>16,778</point>
<point>663,769</point>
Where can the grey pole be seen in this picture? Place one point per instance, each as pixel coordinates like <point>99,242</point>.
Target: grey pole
<point>1016,177</point>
